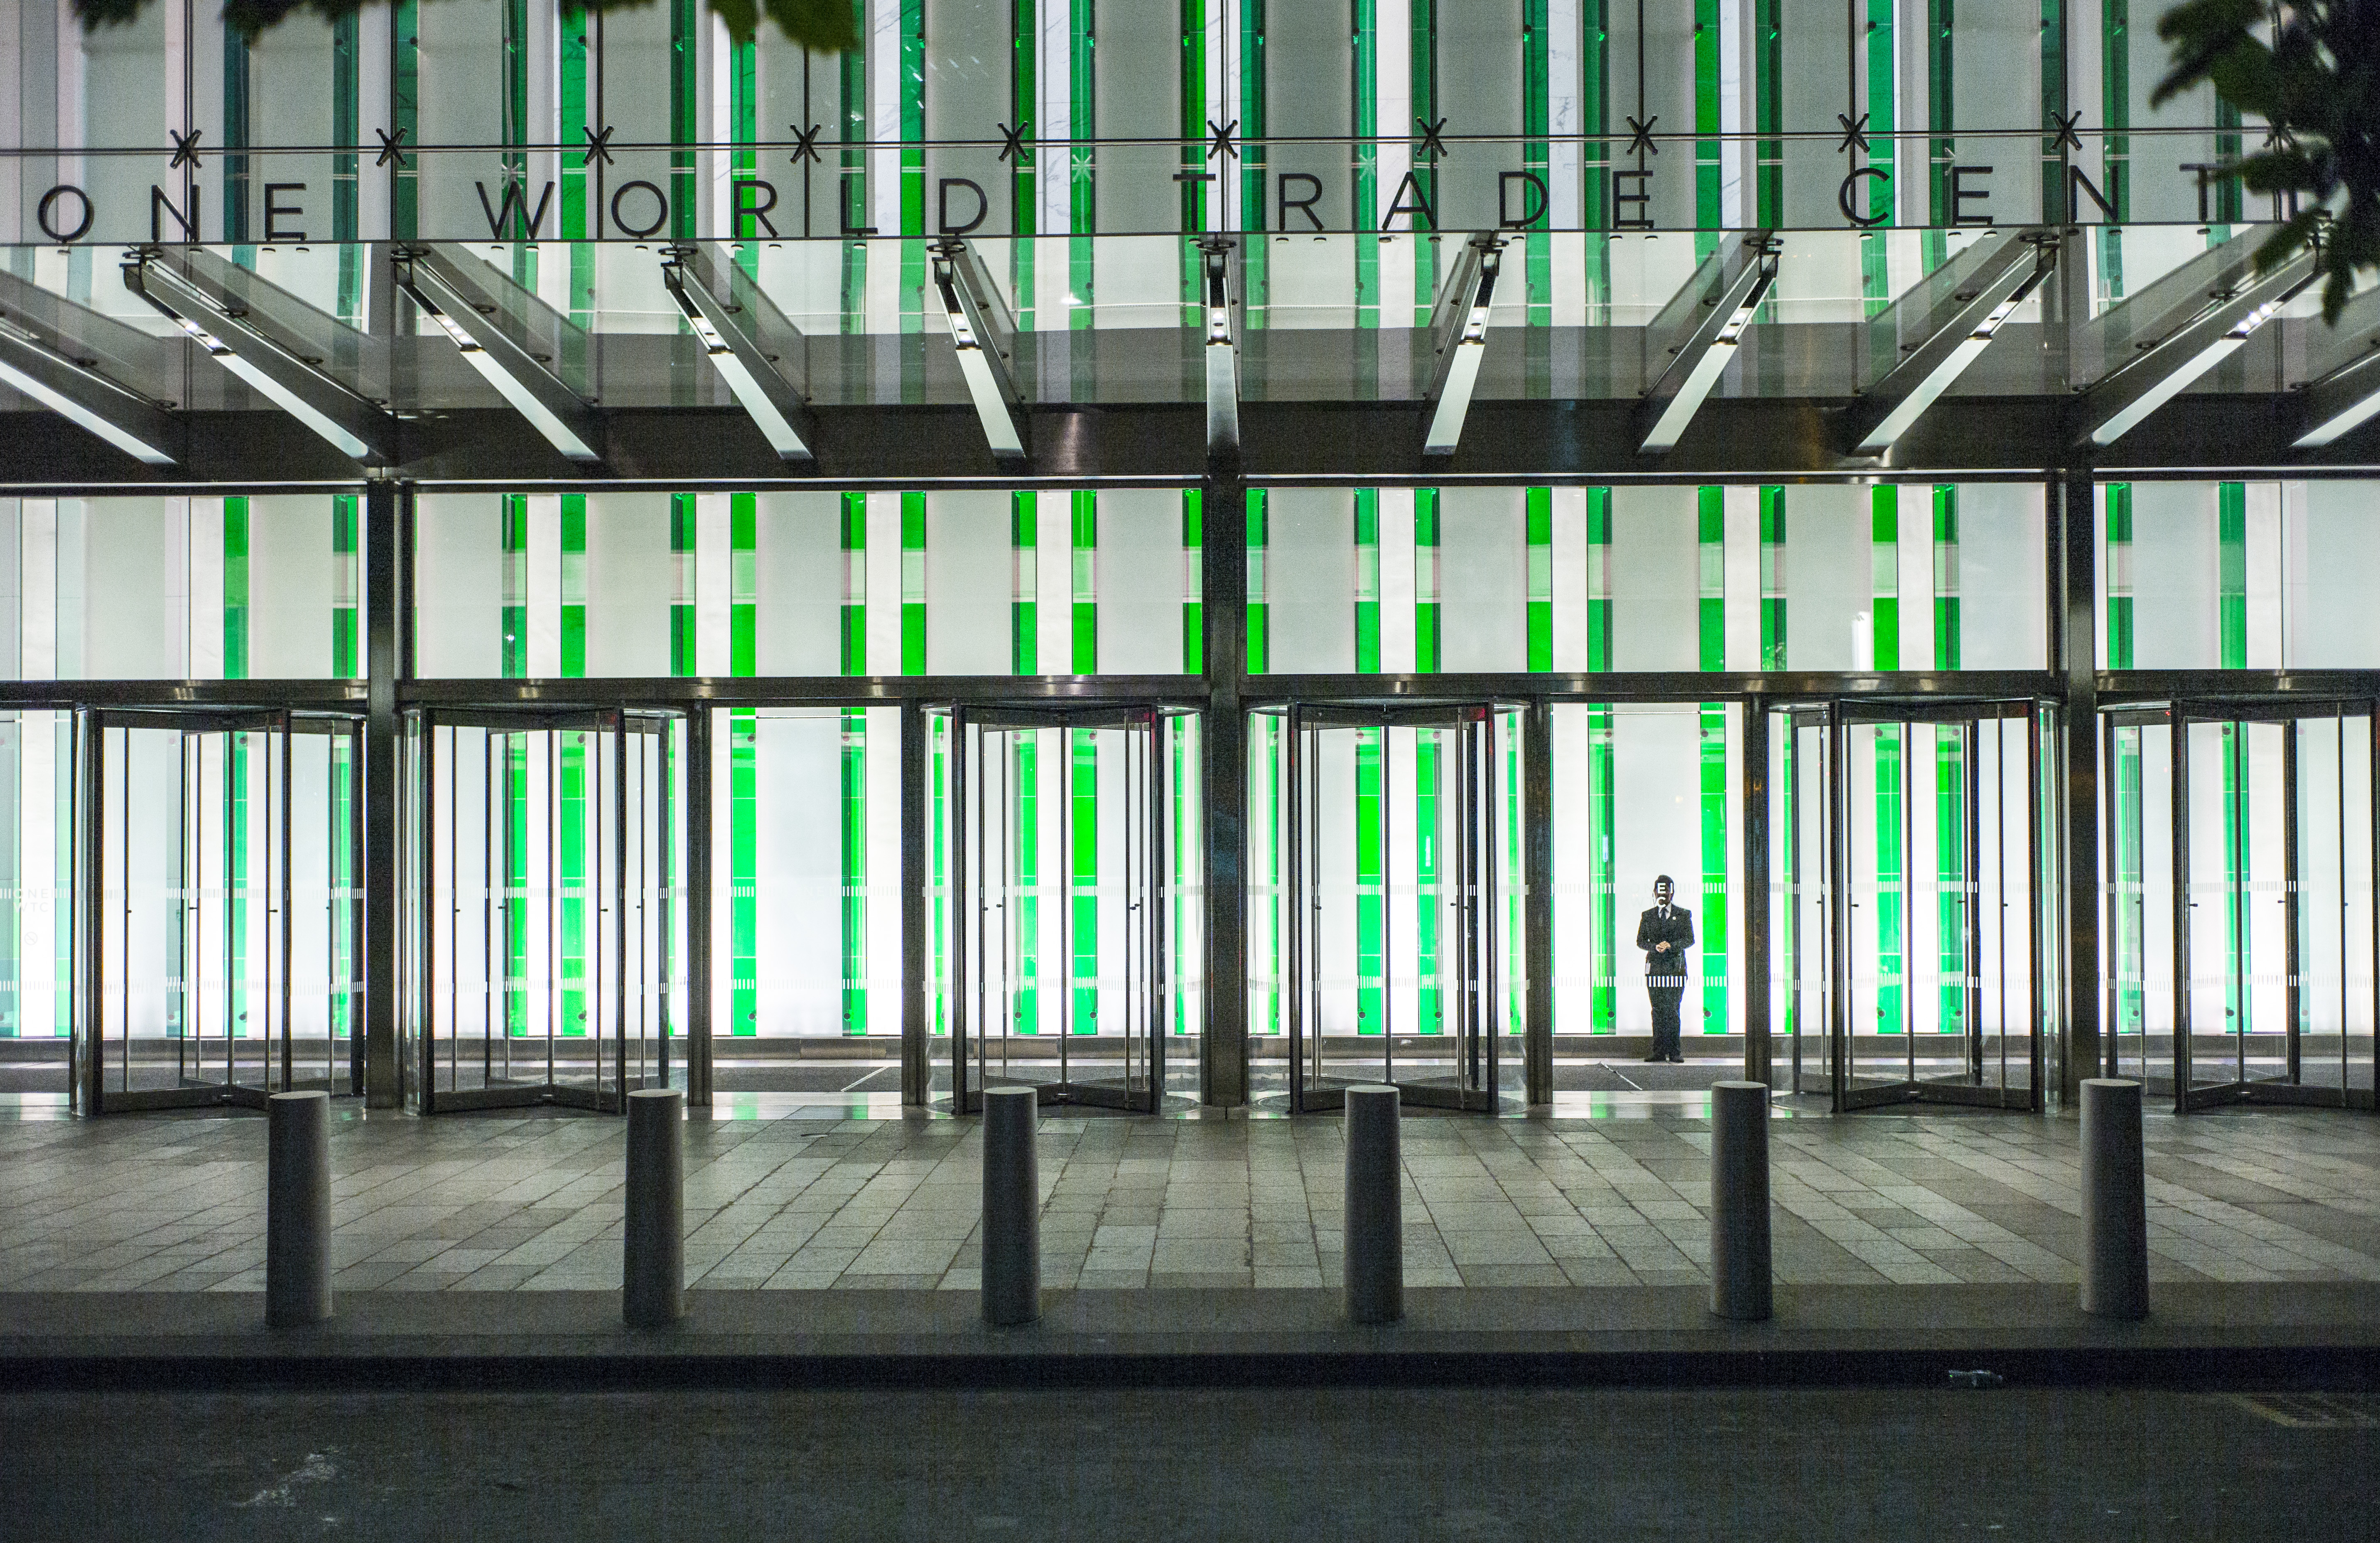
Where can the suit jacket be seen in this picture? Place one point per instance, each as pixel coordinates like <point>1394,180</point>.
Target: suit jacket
<point>1678,931</point>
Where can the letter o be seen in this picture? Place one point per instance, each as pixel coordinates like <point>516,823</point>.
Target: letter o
<point>659,199</point>
<point>49,201</point>
<point>1843,196</point>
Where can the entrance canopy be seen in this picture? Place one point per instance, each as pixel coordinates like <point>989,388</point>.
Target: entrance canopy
<point>1974,347</point>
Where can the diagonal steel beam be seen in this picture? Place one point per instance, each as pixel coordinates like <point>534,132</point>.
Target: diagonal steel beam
<point>729,313</point>
<point>2009,272</point>
<point>983,336</point>
<point>87,399</point>
<point>1732,282</point>
<point>1220,291</point>
<point>2341,402</point>
<point>1458,336</point>
<point>267,366</point>
<point>2124,399</point>
<point>566,420</point>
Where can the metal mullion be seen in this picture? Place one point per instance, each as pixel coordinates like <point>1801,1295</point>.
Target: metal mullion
<point>2178,771</point>
<point>2293,993</point>
<point>619,919</point>
<point>2372,762</point>
<point>1970,897</point>
<point>2110,961</point>
<point>1160,990</point>
<point>1906,733</point>
<point>1386,807</point>
<point>285,804</point>
<point>1838,907</point>
<point>1293,899</point>
<point>960,896</point>
<point>1492,964</point>
<point>495,983</point>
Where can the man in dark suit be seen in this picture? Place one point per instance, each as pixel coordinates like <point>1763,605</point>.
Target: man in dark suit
<point>1665,934</point>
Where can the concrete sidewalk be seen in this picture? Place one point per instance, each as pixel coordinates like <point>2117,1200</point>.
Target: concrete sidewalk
<point>502,1203</point>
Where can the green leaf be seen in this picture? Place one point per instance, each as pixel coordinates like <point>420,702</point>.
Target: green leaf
<point>821,26</point>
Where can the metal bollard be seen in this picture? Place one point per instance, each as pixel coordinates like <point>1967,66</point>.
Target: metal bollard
<point>297,1209</point>
<point>2115,1201</point>
<point>1011,1207</point>
<point>652,1275</point>
<point>1741,1283</point>
<point>1374,1253</point>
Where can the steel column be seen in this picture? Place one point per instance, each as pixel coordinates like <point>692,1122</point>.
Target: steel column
<point>387,535</point>
<point>2073,653</point>
<point>1224,593</point>
<point>1754,988</point>
<point>698,908</point>
<point>1537,906</point>
<point>917,1024</point>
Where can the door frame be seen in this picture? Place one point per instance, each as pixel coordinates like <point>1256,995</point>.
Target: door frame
<point>421,722</point>
<point>89,1042</point>
<point>1836,715</point>
<point>971,1040</point>
<point>1478,1049</point>
<point>2177,716</point>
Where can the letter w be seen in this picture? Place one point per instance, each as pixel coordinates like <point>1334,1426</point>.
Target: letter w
<point>513,203</point>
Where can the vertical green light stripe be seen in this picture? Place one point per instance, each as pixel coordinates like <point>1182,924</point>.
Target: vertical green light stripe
<point>1595,118</point>
<point>2052,107</point>
<point>1538,532</point>
<point>1713,937</point>
<point>1367,581</point>
<point>686,32</point>
<point>1371,815</point>
<point>236,73</point>
<point>1259,628</point>
<point>1084,882</point>
<point>346,659</point>
<point>1602,867</point>
<point>1882,153</point>
<point>682,596</point>
<point>1427,615</point>
<point>1951,865</point>
<point>855,585</point>
<point>1710,579</point>
<point>743,769</point>
<point>1536,123</point>
<point>1085,614</point>
<point>1364,91</point>
<point>1422,86</point>
<point>1888,741</point>
<point>743,584</point>
<point>1946,619</point>
<point>571,618</point>
<point>513,546</point>
<point>2119,575</point>
<point>1710,150</point>
<point>1941,150</point>
<point>235,589</point>
<point>1082,60</point>
<point>1023,608</point>
<point>851,191</point>
<point>2231,541</point>
<point>513,101</point>
<point>852,754</point>
<point>1768,111</point>
<point>404,117</point>
<point>1598,579</point>
<point>1772,579</point>
<point>1193,568</point>
<point>1257,255</point>
<point>1025,175</point>
<point>913,583</point>
<point>1884,576</point>
<point>2116,149</point>
<point>1193,86</point>
<point>1429,754</point>
<point>913,192</point>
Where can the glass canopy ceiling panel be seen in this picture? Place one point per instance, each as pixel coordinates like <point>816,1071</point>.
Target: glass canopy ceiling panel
<point>1587,316</point>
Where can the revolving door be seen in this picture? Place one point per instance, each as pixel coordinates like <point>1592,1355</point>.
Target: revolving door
<point>1915,906</point>
<point>1400,902</point>
<point>219,930</point>
<point>546,912</point>
<point>1060,951</point>
<point>2242,875</point>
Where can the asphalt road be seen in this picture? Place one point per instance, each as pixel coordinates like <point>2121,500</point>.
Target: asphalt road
<point>1120,1466</point>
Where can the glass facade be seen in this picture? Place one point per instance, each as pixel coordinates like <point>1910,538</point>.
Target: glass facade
<point>382,399</point>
